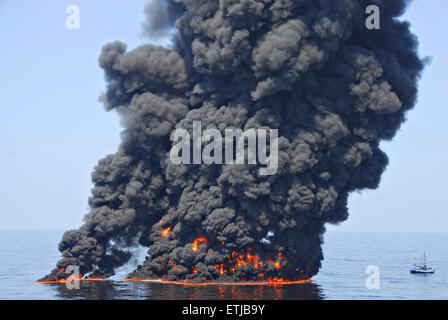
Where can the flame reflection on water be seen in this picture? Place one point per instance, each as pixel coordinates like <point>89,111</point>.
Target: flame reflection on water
<point>109,289</point>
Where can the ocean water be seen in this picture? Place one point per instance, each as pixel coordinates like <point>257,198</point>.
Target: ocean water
<point>28,255</point>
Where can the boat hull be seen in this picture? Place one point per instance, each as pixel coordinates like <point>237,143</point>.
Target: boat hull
<point>422,271</point>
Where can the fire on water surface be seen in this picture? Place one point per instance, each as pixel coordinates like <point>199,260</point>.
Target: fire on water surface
<point>73,279</point>
<point>251,269</point>
<point>235,260</point>
<point>269,282</point>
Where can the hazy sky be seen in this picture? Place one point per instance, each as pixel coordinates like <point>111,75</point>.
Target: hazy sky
<point>54,130</point>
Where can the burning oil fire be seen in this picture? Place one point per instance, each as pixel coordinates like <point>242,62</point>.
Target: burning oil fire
<point>237,260</point>
<point>335,91</point>
<point>246,265</point>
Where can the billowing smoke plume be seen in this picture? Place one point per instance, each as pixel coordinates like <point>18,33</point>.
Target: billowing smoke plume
<point>309,68</point>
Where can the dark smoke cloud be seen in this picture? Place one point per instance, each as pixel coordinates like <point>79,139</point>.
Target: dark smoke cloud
<point>310,68</point>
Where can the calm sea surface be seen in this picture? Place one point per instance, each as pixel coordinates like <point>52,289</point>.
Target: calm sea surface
<point>28,255</point>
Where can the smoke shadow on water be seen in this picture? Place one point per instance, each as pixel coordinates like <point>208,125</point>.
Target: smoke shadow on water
<point>110,290</point>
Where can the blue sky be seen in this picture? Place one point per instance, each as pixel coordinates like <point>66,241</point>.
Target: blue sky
<point>54,130</point>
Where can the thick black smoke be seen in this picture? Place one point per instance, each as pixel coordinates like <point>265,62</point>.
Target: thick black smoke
<point>309,68</point>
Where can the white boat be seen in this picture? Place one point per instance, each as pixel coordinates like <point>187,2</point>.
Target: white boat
<point>422,267</point>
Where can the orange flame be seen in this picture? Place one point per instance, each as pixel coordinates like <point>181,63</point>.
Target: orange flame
<point>221,269</point>
<point>240,259</point>
<point>196,242</point>
<point>165,232</point>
